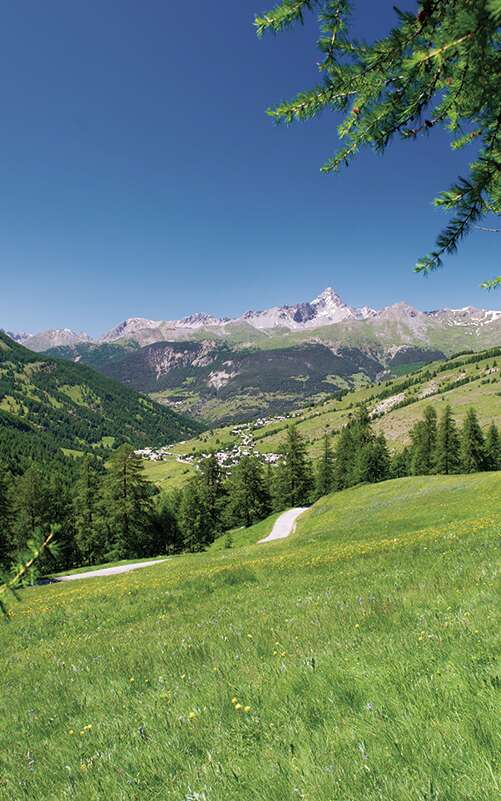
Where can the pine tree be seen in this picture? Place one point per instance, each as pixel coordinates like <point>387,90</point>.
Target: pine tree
<point>6,515</point>
<point>344,459</point>
<point>325,470</point>
<point>193,517</point>
<point>31,505</point>
<point>212,486</point>
<point>294,476</point>
<point>374,461</point>
<point>127,501</point>
<point>166,535</point>
<point>424,441</point>
<point>400,463</point>
<point>447,457</point>
<point>89,530</point>
<point>248,495</point>
<point>472,444</point>
<point>438,68</point>
<point>493,448</point>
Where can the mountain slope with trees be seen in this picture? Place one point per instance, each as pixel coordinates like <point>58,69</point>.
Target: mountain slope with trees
<point>47,404</point>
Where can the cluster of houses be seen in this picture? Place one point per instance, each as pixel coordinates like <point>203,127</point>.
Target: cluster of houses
<point>226,457</point>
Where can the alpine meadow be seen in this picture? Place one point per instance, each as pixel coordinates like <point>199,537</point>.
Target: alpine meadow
<point>249,534</point>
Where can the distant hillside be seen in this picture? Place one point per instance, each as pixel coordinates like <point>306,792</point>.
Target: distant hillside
<point>52,404</point>
<point>222,383</point>
<point>396,405</point>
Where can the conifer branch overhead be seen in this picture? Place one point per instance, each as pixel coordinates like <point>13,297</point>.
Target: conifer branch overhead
<point>438,67</point>
<point>36,547</point>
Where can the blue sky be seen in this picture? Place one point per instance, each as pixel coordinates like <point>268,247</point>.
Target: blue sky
<point>139,174</point>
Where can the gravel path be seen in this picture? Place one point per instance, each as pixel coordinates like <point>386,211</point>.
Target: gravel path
<point>109,571</point>
<point>285,524</point>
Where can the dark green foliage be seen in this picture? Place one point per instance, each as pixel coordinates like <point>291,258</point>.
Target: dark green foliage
<point>294,479</point>
<point>248,495</point>
<point>324,478</point>
<point>374,461</point>
<point>32,504</point>
<point>89,527</point>
<point>472,444</point>
<point>360,456</point>
<point>344,459</point>
<point>213,492</point>
<point>493,448</point>
<point>6,515</point>
<point>424,443</point>
<point>165,535</point>
<point>127,501</point>
<point>438,68</point>
<point>400,463</point>
<point>447,456</point>
<point>192,517</point>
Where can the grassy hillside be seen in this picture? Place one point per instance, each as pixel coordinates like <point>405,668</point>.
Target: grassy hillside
<point>356,660</point>
<point>51,404</point>
<point>472,379</point>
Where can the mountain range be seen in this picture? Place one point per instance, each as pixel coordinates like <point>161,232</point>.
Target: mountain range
<point>325,310</point>
<point>274,360</point>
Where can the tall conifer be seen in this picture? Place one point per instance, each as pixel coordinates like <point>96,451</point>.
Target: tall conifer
<point>325,469</point>
<point>127,501</point>
<point>472,444</point>
<point>447,459</point>
<point>493,448</point>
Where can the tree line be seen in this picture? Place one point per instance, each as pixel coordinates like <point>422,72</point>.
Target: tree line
<point>113,513</point>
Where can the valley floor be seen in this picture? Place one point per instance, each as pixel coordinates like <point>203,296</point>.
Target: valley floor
<point>358,659</point>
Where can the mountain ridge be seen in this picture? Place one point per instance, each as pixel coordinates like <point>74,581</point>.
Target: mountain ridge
<point>326,309</point>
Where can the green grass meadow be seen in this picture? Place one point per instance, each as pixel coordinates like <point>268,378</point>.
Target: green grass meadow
<point>358,660</point>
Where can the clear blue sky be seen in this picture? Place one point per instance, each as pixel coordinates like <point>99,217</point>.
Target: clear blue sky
<point>139,174</point>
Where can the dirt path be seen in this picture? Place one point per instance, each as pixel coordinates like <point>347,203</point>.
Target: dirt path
<point>285,524</point>
<point>109,571</point>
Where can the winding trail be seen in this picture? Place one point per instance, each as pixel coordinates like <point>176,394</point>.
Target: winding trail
<point>107,571</point>
<point>284,525</point>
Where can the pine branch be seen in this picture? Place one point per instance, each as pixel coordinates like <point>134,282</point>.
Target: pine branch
<point>37,549</point>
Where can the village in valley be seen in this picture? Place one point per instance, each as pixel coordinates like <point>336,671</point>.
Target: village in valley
<point>226,457</point>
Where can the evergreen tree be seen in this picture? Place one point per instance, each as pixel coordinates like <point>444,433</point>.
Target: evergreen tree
<point>294,476</point>
<point>127,501</point>
<point>400,463</point>
<point>89,530</point>
<point>424,441</point>
<point>374,461</point>
<point>31,505</point>
<point>60,512</point>
<point>324,482</point>
<point>447,457</point>
<point>493,448</point>
<point>343,459</point>
<point>212,487</point>
<point>438,68</point>
<point>5,516</point>
<point>248,495</point>
<point>166,535</point>
<point>472,444</point>
<point>193,516</point>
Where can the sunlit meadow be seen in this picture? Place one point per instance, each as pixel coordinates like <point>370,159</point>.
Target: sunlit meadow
<point>357,660</point>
